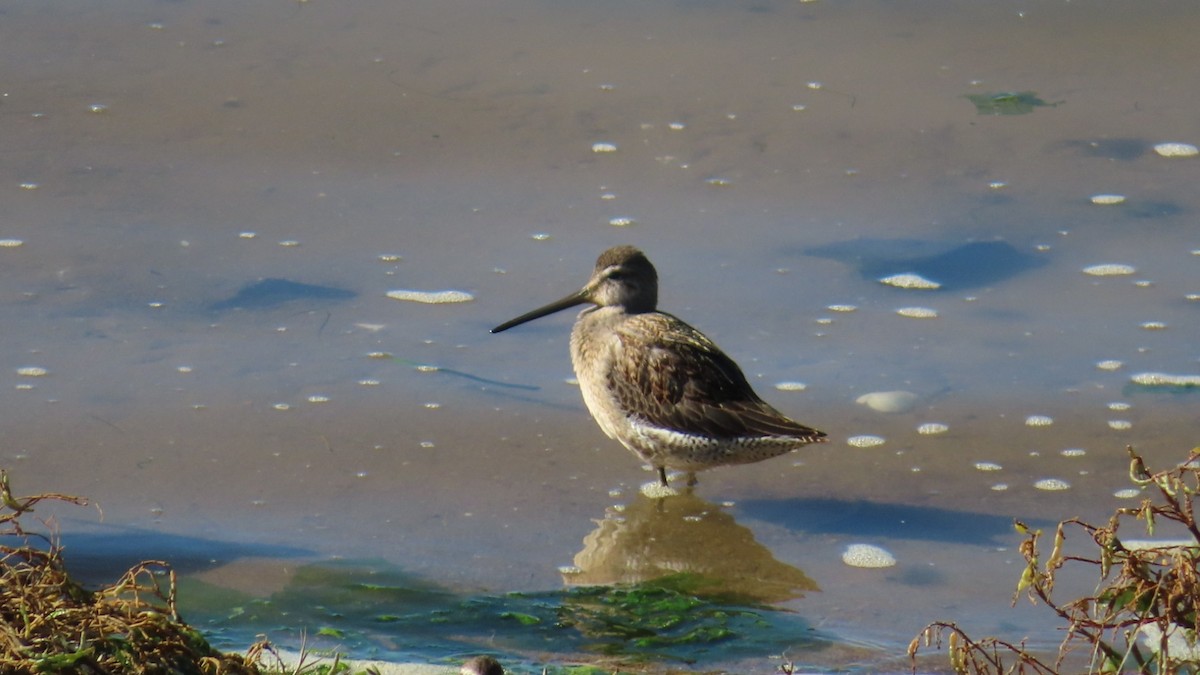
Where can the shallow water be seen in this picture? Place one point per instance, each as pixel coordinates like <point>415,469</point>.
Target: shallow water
<point>773,158</point>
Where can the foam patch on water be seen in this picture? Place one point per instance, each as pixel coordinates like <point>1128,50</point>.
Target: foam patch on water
<point>1109,269</point>
<point>1108,200</point>
<point>918,312</point>
<point>1145,544</point>
<point>656,490</point>
<point>1127,493</point>
<point>431,297</point>
<point>987,466</point>
<point>1052,484</point>
<point>1039,421</point>
<point>867,556</point>
<point>791,386</point>
<point>1176,150</point>
<point>910,281</point>
<point>865,441</point>
<point>1165,380</point>
<point>932,428</point>
<point>32,371</point>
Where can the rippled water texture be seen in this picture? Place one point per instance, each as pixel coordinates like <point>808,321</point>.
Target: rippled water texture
<point>250,254</point>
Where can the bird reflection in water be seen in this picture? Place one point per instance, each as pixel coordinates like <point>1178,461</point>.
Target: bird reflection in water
<point>652,538</point>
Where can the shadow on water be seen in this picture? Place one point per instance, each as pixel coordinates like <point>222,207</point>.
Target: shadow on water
<point>1121,149</point>
<point>896,521</point>
<point>101,557</point>
<point>270,293</point>
<point>955,267</point>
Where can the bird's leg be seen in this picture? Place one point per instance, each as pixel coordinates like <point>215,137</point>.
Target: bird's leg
<point>691,479</point>
<point>662,476</point>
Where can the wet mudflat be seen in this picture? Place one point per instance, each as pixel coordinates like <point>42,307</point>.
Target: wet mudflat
<point>775,160</point>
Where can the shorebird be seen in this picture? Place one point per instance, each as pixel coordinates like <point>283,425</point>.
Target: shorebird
<point>659,386</point>
<point>481,665</point>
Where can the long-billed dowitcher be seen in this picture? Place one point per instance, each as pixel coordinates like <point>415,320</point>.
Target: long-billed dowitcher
<point>659,386</point>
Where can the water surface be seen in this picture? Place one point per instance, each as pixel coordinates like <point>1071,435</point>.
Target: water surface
<point>772,158</point>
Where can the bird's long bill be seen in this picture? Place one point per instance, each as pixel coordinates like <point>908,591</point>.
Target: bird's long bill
<point>577,298</point>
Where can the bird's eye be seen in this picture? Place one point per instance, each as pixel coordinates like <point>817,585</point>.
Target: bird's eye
<point>616,275</point>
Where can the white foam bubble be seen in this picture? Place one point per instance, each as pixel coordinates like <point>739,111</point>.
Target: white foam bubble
<point>917,312</point>
<point>1166,380</point>
<point>1109,269</point>
<point>865,441</point>
<point>431,297</point>
<point>867,556</point>
<point>1176,149</point>
<point>910,281</point>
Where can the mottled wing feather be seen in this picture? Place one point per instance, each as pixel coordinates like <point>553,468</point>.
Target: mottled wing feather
<point>672,376</point>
